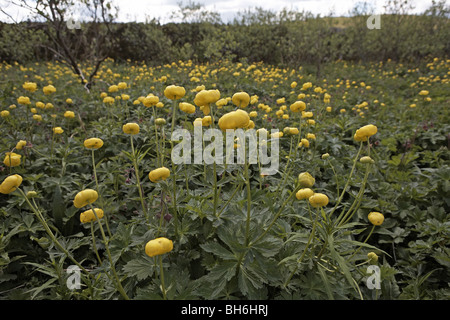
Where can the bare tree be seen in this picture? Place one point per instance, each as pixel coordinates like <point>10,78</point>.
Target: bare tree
<point>78,30</point>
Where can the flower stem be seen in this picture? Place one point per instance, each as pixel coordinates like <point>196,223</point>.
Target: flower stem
<point>113,269</point>
<point>311,236</point>
<point>52,236</point>
<point>359,248</point>
<point>138,181</point>
<point>161,275</point>
<point>94,244</point>
<point>98,191</point>
<point>348,180</point>
<point>158,161</point>
<point>276,216</point>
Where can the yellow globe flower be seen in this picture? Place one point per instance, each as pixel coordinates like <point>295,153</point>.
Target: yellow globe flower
<point>93,143</point>
<point>306,180</point>
<point>69,114</point>
<point>277,135</point>
<point>108,100</point>
<point>281,100</point>
<point>89,216</point>
<point>113,88</point>
<point>298,106</point>
<point>158,246</point>
<point>304,193</point>
<point>85,197</point>
<point>150,100</point>
<point>206,97</point>
<point>4,113</point>
<point>10,184</point>
<point>23,100</point>
<point>206,121</point>
<point>12,159</point>
<point>234,120</point>
<point>187,107</point>
<point>160,121</point>
<point>241,99</point>
<point>373,257</point>
<point>130,128</point>
<point>376,218</point>
<point>307,114</point>
<point>58,130</point>
<point>21,144</point>
<point>122,85</point>
<point>424,92</point>
<point>49,89</point>
<point>159,174</point>
<point>30,86</point>
<point>304,143</point>
<point>363,133</point>
<point>366,159</point>
<point>37,117</point>
<point>69,101</point>
<point>173,92</point>
<point>318,200</point>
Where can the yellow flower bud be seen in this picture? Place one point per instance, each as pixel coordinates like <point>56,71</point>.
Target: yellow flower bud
<point>234,120</point>
<point>158,246</point>
<point>372,256</point>
<point>69,114</point>
<point>366,159</point>
<point>10,184</point>
<point>173,92</point>
<point>376,218</point>
<point>298,106</point>
<point>187,107</point>
<point>85,197</point>
<point>150,100</point>
<point>58,130</point>
<point>159,174</point>
<point>206,97</point>
<point>89,216</point>
<point>306,180</point>
<point>130,128</point>
<point>49,89</point>
<point>318,200</point>
<point>160,121</point>
<point>93,143</point>
<point>21,144</point>
<point>241,99</point>
<point>12,159</point>
<point>304,193</point>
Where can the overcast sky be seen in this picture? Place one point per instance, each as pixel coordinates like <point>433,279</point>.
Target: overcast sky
<point>139,10</point>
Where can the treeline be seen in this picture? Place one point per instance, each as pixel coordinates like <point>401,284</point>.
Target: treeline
<point>255,36</point>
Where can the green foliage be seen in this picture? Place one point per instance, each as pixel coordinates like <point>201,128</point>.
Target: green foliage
<point>236,234</point>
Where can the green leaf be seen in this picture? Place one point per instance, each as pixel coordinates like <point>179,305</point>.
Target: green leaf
<point>326,282</point>
<point>141,268</point>
<point>216,249</point>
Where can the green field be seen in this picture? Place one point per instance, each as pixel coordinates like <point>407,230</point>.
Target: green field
<point>235,233</point>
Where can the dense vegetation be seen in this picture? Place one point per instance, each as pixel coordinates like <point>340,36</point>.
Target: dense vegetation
<point>289,38</point>
<point>88,179</point>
